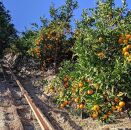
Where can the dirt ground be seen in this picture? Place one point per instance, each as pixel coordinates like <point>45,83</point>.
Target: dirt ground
<point>9,119</point>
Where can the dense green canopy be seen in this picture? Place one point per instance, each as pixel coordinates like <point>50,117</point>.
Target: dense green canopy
<point>7,30</point>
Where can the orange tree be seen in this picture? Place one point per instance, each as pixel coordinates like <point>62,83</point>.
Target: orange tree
<point>54,39</point>
<point>99,77</point>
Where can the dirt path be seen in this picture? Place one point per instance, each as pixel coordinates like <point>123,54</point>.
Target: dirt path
<point>9,119</point>
<point>15,113</point>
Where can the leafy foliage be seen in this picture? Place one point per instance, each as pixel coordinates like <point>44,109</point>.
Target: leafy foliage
<point>101,75</point>
<point>7,31</point>
<point>25,42</point>
<point>54,39</point>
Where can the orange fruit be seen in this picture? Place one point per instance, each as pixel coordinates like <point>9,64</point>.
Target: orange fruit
<point>129,59</point>
<point>94,115</point>
<point>126,54</point>
<point>119,109</point>
<point>81,106</point>
<point>121,104</point>
<point>65,79</point>
<point>76,100</point>
<point>128,47</point>
<point>125,49</point>
<point>66,85</point>
<point>80,85</point>
<point>66,103</point>
<point>128,36</point>
<point>88,81</point>
<point>125,41</point>
<point>37,49</point>
<point>90,92</point>
<point>113,108</point>
<point>78,106</point>
<point>62,105</point>
<point>101,55</point>
<point>96,108</point>
<point>105,117</point>
<point>120,41</point>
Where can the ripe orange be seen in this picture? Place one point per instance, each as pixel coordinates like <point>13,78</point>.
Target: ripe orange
<point>80,85</point>
<point>96,108</point>
<point>66,103</point>
<point>66,85</point>
<point>125,49</point>
<point>105,117</point>
<point>90,92</point>
<point>94,115</point>
<point>128,36</point>
<point>101,55</point>
<point>119,109</point>
<point>113,108</point>
<point>81,106</point>
<point>37,50</point>
<point>62,105</point>
<point>128,47</point>
<point>121,104</point>
<point>89,81</point>
<point>78,106</point>
<point>65,79</point>
<point>129,59</point>
<point>126,54</point>
<point>125,41</point>
<point>37,43</point>
<point>76,100</point>
<point>120,41</point>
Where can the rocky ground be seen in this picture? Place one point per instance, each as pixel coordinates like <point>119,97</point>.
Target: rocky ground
<point>9,119</point>
<point>15,113</point>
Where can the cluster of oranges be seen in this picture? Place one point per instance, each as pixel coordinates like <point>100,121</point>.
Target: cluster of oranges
<point>46,43</point>
<point>53,36</point>
<point>97,110</point>
<point>66,81</point>
<point>125,40</point>
<point>37,51</point>
<point>64,104</point>
<point>38,41</point>
<point>126,50</point>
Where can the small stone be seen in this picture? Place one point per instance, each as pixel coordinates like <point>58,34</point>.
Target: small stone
<point>105,128</point>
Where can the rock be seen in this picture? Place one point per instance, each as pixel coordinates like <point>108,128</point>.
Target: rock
<point>105,128</point>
